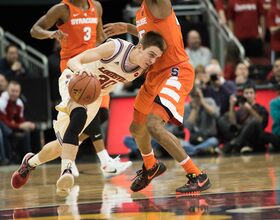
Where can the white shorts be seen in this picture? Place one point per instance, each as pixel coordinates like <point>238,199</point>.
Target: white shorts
<point>63,118</point>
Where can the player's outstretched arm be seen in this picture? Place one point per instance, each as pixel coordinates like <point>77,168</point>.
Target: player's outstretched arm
<point>55,14</point>
<point>112,29</point>
<point>103,51</point>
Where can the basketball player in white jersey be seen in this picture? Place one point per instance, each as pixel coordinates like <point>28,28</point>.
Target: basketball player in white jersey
<point>115,61</point>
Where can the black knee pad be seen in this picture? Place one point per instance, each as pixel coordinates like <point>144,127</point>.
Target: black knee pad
<point>93,130</point>
<point>104,114</point>
<point>77,122</point>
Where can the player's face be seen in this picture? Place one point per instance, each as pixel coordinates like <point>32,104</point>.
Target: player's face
<point>149,56</point>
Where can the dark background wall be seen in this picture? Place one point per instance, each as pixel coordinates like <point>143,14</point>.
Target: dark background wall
<point>19,18</point>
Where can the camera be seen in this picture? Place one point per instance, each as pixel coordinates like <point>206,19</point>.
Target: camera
<point>214,77</point>
<point>240,100</point>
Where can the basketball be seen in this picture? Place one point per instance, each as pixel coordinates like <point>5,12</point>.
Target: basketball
<point>84,89</point>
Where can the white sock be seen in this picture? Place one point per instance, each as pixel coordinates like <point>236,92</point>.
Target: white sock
<point>34,161</point>
<point>103,157</point>
<point>66,164</point>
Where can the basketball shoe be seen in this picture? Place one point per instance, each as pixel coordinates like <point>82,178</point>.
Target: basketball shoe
<point>195,184</point>
<point>21,176</point>
<point>144,177</point>
<point>114,167</point>
<point>64,183</point>
<point>75,170</point>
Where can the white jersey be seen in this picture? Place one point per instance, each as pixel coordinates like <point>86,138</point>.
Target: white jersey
<point>110,71</point>
<point>114,69</point>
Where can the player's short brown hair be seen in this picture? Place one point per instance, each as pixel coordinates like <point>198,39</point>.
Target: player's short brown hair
<point>152,38</point>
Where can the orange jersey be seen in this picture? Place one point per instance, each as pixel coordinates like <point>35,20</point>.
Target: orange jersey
<point>81,29</point>
<point>170,29</point>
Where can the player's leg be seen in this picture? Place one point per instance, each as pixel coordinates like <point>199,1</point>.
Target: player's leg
<point>110,167</point>
<point>70,141</point>
<point>49,152</point>
<point>151,167</point>
<point>169,106</point>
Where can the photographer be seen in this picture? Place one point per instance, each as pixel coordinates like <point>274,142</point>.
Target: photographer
<point>247,121</point>
<point>219,89</point>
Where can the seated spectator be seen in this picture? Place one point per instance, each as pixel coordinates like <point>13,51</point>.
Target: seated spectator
<point>218,88</point>
<point>232,58</point>
<point>245,123</point>
<point>3,83</point>
<point>274,27</point>
<point>200,119</point>
<point>197,53</point>
<point>10,65</point>
<point>274,76</point>
<point>241,74</point>
<point>12,115</point>
<point>201,77</point>
<point>215,69</point>
<point>275,114</point>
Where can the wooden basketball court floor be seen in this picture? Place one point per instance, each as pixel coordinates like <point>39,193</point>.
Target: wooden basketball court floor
<point>243,187</point>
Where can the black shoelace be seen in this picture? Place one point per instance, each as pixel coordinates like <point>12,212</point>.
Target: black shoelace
<point>23,172</point>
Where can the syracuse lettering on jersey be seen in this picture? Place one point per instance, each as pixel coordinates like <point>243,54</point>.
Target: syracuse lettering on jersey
<point>141,22</point>
<point>76,21</point>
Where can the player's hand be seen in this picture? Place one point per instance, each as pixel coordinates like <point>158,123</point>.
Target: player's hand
<point>117,28</point>
<point>59,35</point>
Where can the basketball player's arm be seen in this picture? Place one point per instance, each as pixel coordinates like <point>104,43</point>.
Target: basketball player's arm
<point>103,51</point>
<point>159,8</point>
<point>40,29</point>
<point>100,35</point>
<point>112,29</point>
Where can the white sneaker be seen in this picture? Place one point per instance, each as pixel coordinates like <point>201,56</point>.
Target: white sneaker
<point>75,170</point>
<point>64,183</point>
<point>114,167</point>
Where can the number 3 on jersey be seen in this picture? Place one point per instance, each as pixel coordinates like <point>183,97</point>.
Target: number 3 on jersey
<point>87,35</point>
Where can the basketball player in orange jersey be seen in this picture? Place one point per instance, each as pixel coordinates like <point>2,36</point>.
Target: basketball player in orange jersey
<point>79,24</point>
<point>115,61</point>
<point>162,96</point>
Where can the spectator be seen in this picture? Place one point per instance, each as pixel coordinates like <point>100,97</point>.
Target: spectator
<point>10,65</point>
<point>275,114</point>
<point>231,60</point>
<point>221,7</point>
<point>3,83</point>
<point>274,76</point>
<point>12,115</point>
<point>200,118</point>
<point>241,74</point>
<point>197,53</point>
<point>274,27</point>
<point>245,16</point>
<point>202,79</point>
<point>245,124</point>
<point>218,88</point>
<point>215,69</point>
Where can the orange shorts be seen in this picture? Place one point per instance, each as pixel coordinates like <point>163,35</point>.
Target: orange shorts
<point>169,89</point>
<point>105,101</point>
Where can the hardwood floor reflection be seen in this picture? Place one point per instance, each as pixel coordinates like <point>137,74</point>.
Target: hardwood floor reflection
<point>227,174</point>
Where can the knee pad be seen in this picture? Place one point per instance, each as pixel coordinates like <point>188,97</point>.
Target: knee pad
<point>93,130</point>
<point>77,122</point>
